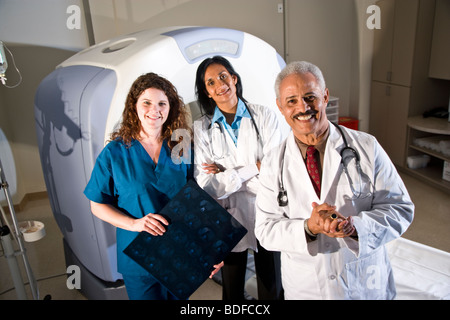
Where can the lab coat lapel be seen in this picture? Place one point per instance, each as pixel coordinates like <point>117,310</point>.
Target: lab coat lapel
<point>246,141</point>
<point>231,146</point>
<point>243,142</point>
<point>332,160</point>
<point>297,174</point>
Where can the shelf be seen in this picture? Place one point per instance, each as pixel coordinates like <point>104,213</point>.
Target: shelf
<point>433,153</point>
<point>419,127</point>
<point>431,125</point>
<point>432,176</point>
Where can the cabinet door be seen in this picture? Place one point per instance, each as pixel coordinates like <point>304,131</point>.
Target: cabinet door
<point>440,51</point>
<point>382,44</point>
<point>397,122</point>
<point>405,25</point>
<point>378,111</point>
<point>388,118</point>
<point>394,42</point>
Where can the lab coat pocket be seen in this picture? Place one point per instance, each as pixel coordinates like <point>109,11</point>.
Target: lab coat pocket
<point>299,277</point>
<point>356,198</point>
<point>351,198</point>
<point>355,205</point>
<point>358,184</point>
<point>370,277</point>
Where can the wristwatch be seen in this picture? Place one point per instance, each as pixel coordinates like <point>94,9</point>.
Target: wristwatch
<point>308,232</point>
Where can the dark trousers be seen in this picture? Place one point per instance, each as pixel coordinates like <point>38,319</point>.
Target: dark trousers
<point>267,267</point>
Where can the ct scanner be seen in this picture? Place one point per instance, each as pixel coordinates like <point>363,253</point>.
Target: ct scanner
<point>78,105</point>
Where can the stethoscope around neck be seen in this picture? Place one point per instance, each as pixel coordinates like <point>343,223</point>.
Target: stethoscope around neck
<point>217,124</point>
<point>347,154</point>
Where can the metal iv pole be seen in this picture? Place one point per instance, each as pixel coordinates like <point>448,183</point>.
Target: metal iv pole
<point>6,236</point>
<point>10,254</point>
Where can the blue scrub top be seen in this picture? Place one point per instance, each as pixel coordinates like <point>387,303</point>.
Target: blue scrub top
<point>127,178</point>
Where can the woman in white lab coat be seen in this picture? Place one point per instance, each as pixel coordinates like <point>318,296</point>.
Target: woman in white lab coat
<point>326,256</point>
<point>230,141</point>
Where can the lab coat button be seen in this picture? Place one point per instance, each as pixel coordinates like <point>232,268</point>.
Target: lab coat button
<point>332,277</point>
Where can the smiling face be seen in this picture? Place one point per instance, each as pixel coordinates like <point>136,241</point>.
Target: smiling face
<point>221,85</point>
<point>302,103</point>
<point>152,108</point>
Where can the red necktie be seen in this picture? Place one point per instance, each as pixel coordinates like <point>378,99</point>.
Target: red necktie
<point>313,169</point>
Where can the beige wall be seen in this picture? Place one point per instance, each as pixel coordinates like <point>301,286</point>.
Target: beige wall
<point>36,33</point>
<point>325,35</point>
<point>324,32</point>
<point>329,33</point>
<point>17,114</point>
<point>259,17</point>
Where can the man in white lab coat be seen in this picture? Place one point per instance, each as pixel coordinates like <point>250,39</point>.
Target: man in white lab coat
<point>331,239</point>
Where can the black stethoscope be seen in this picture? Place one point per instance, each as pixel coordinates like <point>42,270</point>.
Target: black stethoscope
<point>347,154</point>
<point>217,124</point>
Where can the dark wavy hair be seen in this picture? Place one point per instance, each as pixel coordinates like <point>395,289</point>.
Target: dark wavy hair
<point>208,104</point>
<point>130,126</point>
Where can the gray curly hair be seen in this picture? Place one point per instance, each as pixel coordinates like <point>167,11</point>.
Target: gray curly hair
<point>299,67</point>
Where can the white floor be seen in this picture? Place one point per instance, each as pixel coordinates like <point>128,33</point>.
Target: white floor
<point>46,256</point>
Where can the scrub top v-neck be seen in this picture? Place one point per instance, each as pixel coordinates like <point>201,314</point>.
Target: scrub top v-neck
<point>127,178</point>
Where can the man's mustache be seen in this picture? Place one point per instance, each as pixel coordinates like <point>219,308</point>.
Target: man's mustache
<point>307,113</point>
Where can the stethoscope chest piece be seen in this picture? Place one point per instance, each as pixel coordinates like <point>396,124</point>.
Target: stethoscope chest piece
<point>282,198</point>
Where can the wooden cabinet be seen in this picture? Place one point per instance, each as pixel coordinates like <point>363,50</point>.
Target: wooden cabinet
<point>440,50</point>
<point>394,43</point>
<point>390,112</point>
<point>401,87</point>
<point>419,127</point>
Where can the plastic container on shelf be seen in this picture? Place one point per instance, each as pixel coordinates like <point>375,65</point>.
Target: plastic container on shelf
<point>417,162</point>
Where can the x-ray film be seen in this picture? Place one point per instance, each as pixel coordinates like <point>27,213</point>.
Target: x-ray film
<point>200,234</point>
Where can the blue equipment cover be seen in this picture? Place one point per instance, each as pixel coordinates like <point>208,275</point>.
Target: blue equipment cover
<point>200,234</point>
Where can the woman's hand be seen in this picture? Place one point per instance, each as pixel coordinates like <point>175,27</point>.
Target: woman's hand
<point>151,223</point>
<point>211,168</point>
<point>217,267</point>
<point>258,164</point>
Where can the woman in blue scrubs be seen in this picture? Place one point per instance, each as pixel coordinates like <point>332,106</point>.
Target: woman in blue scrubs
<point>135,176</point>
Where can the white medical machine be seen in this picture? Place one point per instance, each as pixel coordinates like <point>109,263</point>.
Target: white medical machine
<point>79,104</point>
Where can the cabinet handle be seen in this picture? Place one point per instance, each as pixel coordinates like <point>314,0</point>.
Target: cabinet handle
<point>388,91</point>
<point>389,76</point>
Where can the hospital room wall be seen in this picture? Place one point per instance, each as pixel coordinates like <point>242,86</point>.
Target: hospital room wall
<point>36,33</point>
<point>18,119</point>
<point>326,32</point>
